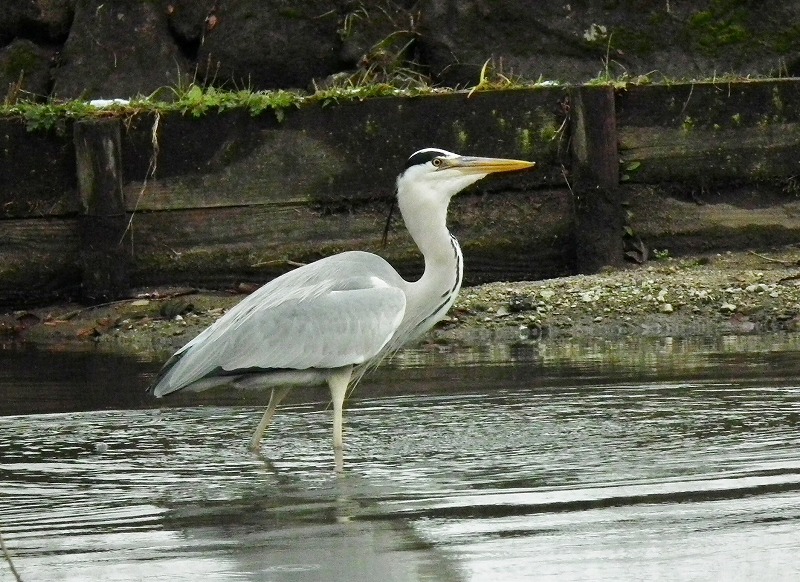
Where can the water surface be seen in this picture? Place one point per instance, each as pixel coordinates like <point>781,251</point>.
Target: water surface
<point>657,460</point>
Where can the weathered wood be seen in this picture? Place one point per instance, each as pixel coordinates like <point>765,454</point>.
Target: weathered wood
<point>745,217</point>
<point>104,258</point>
<point>508,235</point>
<point>333,155</point>
<point>709,132</point>
<point>234,196</point>
<point>595,178</point>
<point>37,171</point>
<point>38,260</point>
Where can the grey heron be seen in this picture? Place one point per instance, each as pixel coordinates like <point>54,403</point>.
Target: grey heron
<point>330,320</point>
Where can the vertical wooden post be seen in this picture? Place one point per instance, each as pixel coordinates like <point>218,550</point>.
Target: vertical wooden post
<point>104,263</point>
<point>599,217</point>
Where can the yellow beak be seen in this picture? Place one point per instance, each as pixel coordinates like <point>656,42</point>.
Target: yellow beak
<point>474,165</point>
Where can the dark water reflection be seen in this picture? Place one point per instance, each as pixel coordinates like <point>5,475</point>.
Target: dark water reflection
<point>663,460</point>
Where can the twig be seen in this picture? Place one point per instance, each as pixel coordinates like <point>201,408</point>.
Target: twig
<point>689,98</point>
<point>276,262</point>
<point>7,555</point>
<point>69,315</point>
<point>566,180</point>
<point>789,278</point>
<point>771,260</point>
<point>150,173</point>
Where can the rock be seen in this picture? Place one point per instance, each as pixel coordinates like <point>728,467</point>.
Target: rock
<point>376,35</point>
<point>727,307</point>
<point>45,20</point>
<point>741,324</point>
<point>176,307</point>
<point>546,294</point>
<point>575,42</point>
<point>280,44</point>
<point>24,70</point>
<point>520,303</point>
<point>189,20</point>
<point>122,49</point>
<point>666,308</point>
<point>118,50</point>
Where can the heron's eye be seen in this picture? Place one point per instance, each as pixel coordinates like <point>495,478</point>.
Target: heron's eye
<point>436,162</point>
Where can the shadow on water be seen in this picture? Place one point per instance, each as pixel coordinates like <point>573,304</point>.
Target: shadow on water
<point>650,460</point>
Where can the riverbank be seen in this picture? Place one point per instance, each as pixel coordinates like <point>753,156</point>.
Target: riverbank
<point>710,295</point>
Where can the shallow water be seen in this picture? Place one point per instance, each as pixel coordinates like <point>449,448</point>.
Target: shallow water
<point>656,460</point>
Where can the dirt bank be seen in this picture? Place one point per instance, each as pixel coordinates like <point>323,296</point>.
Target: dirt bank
<point>732,293</point>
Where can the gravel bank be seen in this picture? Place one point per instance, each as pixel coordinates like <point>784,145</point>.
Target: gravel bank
<point>731,293</point>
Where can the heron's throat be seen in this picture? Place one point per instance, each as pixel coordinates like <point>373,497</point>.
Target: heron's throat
<point>426,222</point>
<point>436,290</point>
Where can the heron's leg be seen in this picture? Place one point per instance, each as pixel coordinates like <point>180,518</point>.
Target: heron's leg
<point>338,382</point>
<point>278,394</point>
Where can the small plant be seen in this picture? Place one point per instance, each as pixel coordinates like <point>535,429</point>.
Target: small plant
<point>629,168</point>
<point>493,77</point>
<point>660,255</point>
<point>791,186</point>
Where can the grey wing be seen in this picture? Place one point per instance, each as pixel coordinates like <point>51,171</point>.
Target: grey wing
<point>332,313</point>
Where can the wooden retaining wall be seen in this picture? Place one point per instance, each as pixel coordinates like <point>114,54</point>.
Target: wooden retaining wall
<point>226,198</point>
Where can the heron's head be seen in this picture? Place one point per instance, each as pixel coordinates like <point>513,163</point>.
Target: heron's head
<point>439,174</point>
<point>431,177</point>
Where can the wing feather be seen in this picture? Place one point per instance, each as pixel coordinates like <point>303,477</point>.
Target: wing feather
<point>337,311</point>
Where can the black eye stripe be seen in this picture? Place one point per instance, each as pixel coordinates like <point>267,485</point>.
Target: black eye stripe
<point>423,157</point>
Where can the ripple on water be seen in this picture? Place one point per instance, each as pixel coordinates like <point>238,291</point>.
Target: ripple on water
<point>502,481</point>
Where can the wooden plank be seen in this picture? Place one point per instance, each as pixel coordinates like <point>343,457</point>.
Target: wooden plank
<point>38,260</point>
<point>741,217</point>
<point>709,132</point>
<point>38,177</point>
<point>595,179</point>
<point>285,167</point>
<point>703,155</point>
<point>104,258</point>
<point>329,155</point>
<point>514,234</point>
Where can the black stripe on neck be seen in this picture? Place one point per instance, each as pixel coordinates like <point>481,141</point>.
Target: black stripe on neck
<point>457,254</point>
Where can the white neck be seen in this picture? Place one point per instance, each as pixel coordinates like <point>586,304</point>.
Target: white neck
<point>433,294</point>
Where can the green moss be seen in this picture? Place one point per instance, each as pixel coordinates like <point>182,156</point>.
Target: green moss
<point>723,25</point>
<point>548,132</point>
<point>502,124</point>
<point>525,140</point>
<point>461,135</point>
<point>787,40</point>
<point>292,13</point>
<point>640,42</point>
<point>777,100</point>
<point>20,61</point>
<point>370,126</point>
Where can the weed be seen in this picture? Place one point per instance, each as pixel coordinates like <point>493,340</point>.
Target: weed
<point>493,77</point>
